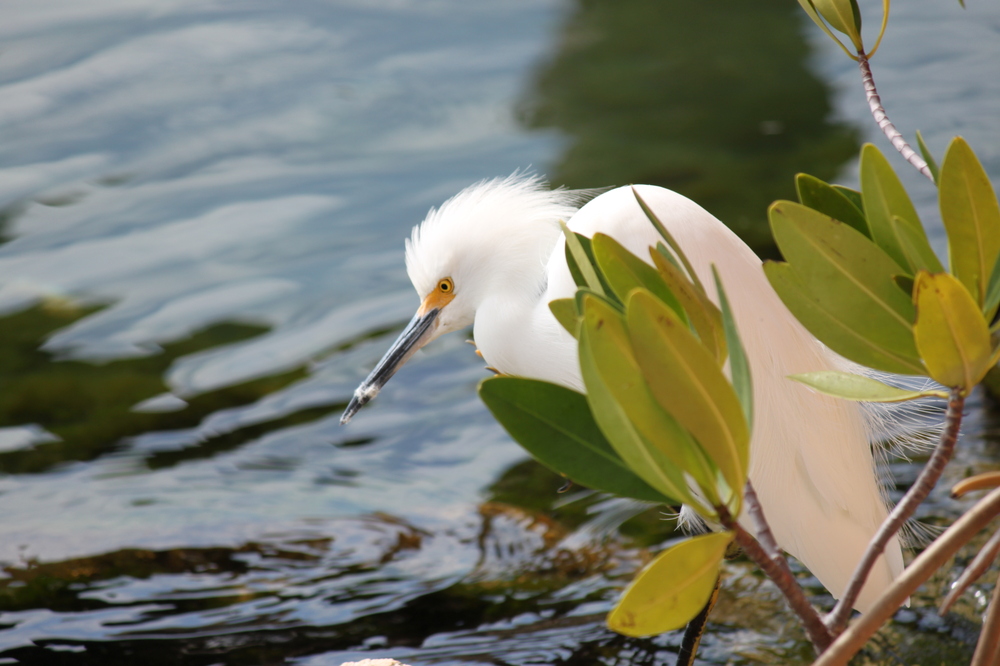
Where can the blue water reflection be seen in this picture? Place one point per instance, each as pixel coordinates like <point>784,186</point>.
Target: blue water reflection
<point>203,207</point>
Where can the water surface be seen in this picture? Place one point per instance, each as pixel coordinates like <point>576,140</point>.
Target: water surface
<point>203,207</point>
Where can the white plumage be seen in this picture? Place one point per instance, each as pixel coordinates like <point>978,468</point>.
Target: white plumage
<point>499,244</point>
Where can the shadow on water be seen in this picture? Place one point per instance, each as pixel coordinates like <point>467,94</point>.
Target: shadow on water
<point>89,407</point>
<point>8,214</point>
<point>714,101</point>
<point>244,610</point>
<point>525,602</point>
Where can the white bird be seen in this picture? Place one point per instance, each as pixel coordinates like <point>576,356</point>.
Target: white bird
<point>493,257</point>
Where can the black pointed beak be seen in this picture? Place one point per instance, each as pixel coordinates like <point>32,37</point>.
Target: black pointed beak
<point>417,333</point>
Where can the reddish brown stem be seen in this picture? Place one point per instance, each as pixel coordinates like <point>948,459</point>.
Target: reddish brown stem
<point>929,475</point>
<point>763,529</point>
<point>890,131</point>
<point>783,579</point>
<point>983,560</point>
<point>922,568</point>
<point>988,647</point>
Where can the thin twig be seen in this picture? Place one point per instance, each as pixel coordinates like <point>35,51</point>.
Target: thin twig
<point>988,647</point>
<point>890,131</point>
<point>923,567</point>
<point>929,475</point>
<point>784,580</point>
<point>761,526</point>
<point>984,558</point>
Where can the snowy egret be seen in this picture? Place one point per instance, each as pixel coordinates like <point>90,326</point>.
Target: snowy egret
<point>493,257</point>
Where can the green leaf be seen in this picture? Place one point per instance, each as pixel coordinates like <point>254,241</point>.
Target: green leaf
<point>904,282</point>
<point>647,438</point>
<point>856,13</point>
<point>739,367</point>
<point>556,427</point>
<point>915,246</point>
<point>674,588</point>
<point>824,198</point>
<point>687,382</point>
<point>951,334</point>
<point>843,16</point>
<point>705,318</point>
<point>993,292</point>
<point>814,313</point>
<point>859,388</point>
<point>564,310</point>
<point>583,292</point>
<point>928,157</point>
<point>674,246</point>
<point>852,195</point>
<point>881,30</point>
<point>580,259</point>
<point>848,277</point>
<point>624,272</point>
<point>668,255</point>
<point>884,196</point>
<point>971,217</point>
<point>810,10</point>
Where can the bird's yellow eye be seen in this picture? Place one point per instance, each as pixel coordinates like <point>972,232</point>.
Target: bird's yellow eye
<point>443,294</point>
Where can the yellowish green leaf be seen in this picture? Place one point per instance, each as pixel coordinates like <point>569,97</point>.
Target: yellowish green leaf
<point>904,282</point>
<point>847,275</point>
<point>827,325</point>
<point>993,292</point>
<point>884,197</point>
<point>859,388</point>
<point>810,10</point>
<point>580,259</point>
<point>915,246</point>
<point>705,318</point>
<point>824,198</point>
<point>667,236</point>
<point>852,195</point>
<point>687,382</point>
<point>674,588</point>
<point>739,366</point>
<point>624,272</point>
<point>928,157</point>
<point>646,437</point>
<point>971,217</point>
<point>564,310</point>
<point>881,31</point>
<point>951,334</point>
<point>843,16</point>
<point>583,292</point>
<point>668,255</point>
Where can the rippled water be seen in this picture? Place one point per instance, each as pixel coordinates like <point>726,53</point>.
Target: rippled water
<point>203,207</point>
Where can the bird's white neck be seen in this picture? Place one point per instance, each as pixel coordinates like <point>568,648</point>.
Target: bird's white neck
<point>517,333</point>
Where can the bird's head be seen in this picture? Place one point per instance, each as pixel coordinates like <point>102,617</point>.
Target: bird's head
<point>492,237</point>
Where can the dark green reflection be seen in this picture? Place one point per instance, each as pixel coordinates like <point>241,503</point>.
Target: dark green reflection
<point>8,214</point>
<point>711,99</point>
<point>57,585</point>
<point>236,614</point>
<point>89,406</point>
<point>530,486</point>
